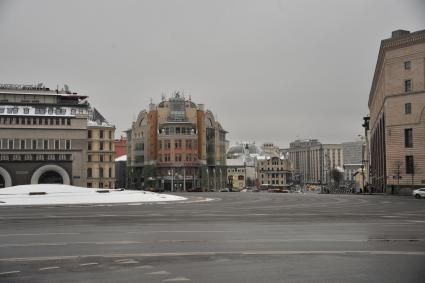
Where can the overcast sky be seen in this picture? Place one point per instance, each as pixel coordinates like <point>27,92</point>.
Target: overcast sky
<point>270,70</point>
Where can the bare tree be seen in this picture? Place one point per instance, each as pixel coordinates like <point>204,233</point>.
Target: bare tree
<point>336,176</point>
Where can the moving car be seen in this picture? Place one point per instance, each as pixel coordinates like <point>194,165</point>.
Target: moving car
<point>419,193</point>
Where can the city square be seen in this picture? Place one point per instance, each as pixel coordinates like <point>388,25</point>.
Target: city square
<point>233,237</point>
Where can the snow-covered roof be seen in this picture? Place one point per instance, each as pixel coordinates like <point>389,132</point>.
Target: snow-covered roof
<point>268,157</point>
<point>121,158</point>
<point>97,120</point>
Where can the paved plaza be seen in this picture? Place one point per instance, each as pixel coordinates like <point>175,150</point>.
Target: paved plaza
<point>236,237</point>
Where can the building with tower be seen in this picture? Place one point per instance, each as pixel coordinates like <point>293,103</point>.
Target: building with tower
<point>176,145</point>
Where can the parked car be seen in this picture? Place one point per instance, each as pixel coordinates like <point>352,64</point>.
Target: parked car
<point>224,190</point>
<point>419,193</point>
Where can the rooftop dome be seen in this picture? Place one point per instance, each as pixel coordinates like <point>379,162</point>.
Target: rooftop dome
<point>238,149</point>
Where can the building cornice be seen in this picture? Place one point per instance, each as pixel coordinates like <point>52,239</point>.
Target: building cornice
<point>389,44</point>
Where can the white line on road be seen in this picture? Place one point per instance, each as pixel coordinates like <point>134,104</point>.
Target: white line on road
<point>9,272</point>
<point>32,245</point>
<point>38,234</point>
<point>49,268</point>
<point>126,261</point>
<point>177,279</point>
<point>212,253</point>
<point>89,263</point>
<point>186,231</point>
<point>161,272</point>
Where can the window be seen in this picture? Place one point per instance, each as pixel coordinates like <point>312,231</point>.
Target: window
<point>110,172</point>
<point>89,185</point>
<point>89,147</point>
<point>101,134</point>
<point>408,108</point>
<point>408,138</point>
<point>68,144</point>
<point>100,172</point>
<point>101,146</point>
<point>101,158</point>
<point>22,144</point>
<point>56,144</point>
<point>45,144</point>
<point>407,65</point>
<point>178,144</point>
<point>409,164</point>
<point>407,85</point>
<point>26,110</point>
<point>34,144</point>
<point>110,134</point>
<point>89,158</point>
<point>89,172</point>
<point>89,134</point>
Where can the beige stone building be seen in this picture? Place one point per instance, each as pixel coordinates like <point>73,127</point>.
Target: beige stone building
<point>100,152</point>
<point>397,113</point>
<point>274,171</point>
<point>313,161</point>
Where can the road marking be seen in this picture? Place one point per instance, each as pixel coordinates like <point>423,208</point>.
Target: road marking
<point>89,263</point>
<point>32,245</point>
<point>126,261</point>
<point>212,253</point>
<point>9,272</point>
<point>161,272</point>
<point>49,268</point>
<point>177,279</point>
<point>186,231</point>
<point>38,234</point>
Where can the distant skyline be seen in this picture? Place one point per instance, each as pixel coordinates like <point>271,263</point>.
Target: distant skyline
<point>272,71</point>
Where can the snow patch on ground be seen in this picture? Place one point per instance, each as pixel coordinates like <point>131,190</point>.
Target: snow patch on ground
<point>64,194</point>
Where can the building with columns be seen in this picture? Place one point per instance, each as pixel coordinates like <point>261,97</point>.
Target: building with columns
<point>313,161</point>
<point>176,145</point>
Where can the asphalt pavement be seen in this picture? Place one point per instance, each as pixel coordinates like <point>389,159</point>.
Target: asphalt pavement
<point>218,237</point>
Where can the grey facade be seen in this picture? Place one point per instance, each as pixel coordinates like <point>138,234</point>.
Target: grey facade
<point>43,136</point>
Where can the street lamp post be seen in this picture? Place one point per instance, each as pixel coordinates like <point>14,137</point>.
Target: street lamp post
<point>172,179</point>
<point>244,165</point>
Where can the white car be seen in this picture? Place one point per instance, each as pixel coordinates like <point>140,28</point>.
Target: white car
<point>419,193</point>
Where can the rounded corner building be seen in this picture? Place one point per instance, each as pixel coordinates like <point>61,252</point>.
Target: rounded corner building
<point>176,145</point>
